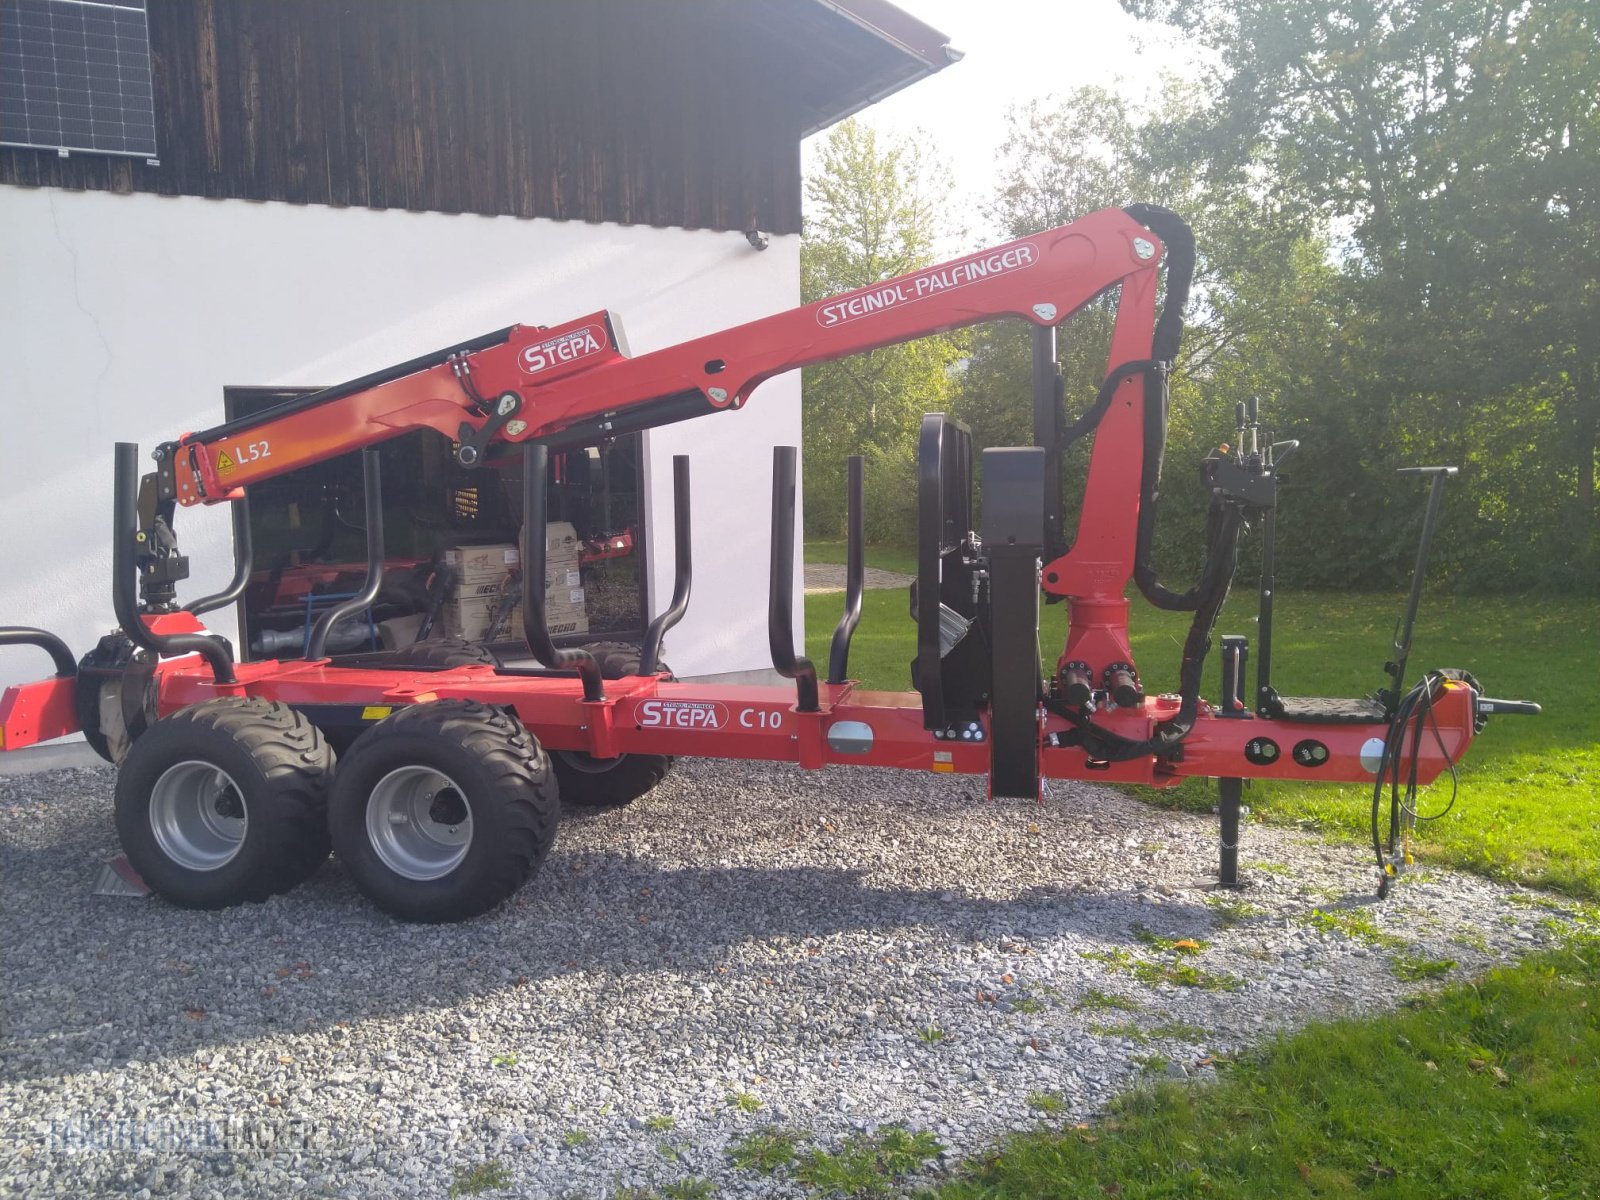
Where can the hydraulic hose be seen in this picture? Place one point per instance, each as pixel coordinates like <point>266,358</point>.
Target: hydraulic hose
<point>1168,336</point>
<point>1227,522</point>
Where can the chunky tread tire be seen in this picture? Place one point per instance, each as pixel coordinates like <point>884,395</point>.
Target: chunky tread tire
<point>588,782</point>
<point>505,779</point>
<point>282,768</point>
<point>436,653</point>
<point>446,652</point>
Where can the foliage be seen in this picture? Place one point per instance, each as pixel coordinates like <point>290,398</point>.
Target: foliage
<point>764,1150</point>
<point>1487,1089</point>
<point>1456,145</point>
<point>1049,1103</point>
<point>867,1166</point>
<point>489,1176</point>
<point>747,1102</point>
<point>872,213</point>
<point>1397,209</point>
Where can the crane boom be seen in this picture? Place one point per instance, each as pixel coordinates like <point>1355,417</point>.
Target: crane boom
<point>579,380</point>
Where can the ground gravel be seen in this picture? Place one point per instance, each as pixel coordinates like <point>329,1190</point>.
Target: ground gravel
<point>852,947</point>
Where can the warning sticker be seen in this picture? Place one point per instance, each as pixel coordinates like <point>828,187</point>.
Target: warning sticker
<point>225,462</point>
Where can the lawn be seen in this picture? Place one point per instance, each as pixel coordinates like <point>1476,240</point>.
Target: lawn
<point>1529,808</point>
<point>1488,1088</point>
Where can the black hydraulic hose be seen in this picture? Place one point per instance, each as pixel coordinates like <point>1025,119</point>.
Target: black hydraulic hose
<point>1222,557</point>
<point>1416,711</point>
<point>243,564</point>
<point>1227,521</point>
<point>1168,336</point>
<point>1108,391</point>
<point>350,387</point>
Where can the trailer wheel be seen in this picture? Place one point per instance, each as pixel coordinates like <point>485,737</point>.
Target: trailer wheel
<point>590,782</point>
<point>224,802</point>
<point>443,810</point>
<point>446,652</point>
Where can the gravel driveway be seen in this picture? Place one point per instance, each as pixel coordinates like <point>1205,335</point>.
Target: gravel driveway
<point>850,947</point>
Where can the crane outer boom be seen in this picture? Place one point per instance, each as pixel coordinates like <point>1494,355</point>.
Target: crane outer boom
<point>580,377</point>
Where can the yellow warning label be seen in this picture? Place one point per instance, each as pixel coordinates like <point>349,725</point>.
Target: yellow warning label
<point>944,768</point>
<point>225,462</point>
<point>376,712</point>
<point>2,739</point>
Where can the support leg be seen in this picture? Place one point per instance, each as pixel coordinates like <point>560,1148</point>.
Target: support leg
<point>1230,799</point>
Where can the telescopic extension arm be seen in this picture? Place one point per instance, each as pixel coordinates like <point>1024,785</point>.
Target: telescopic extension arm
<point>576,382</point>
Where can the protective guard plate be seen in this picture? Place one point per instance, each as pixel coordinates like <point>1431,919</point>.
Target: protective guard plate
<point>1324,710</point>
<point>1013,537</point>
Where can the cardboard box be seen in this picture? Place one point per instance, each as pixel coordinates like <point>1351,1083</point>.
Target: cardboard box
<point>469,619</point>
<point>476,564</point>
<point>561,540</point>
<point>483,589</point>
<point>573,624</point>
<point>557,596</point>
<point>481,564</point>
<point>562,575</point>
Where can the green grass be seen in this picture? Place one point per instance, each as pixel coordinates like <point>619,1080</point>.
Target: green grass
<point>901,559</point>
<point>1049,1103</point>
<point>1488,1089</point>
<point>747,1102</point>
<point>1231,911</point>
<point>678,1189</point>
<point>1529,808</point>
<point>1153,972</point>
<point>764,1150</point>
<point>1354,924</point>
<point>1094,1000</point>
<point>1413,968</point>
<point>867,1167</point>
<point>1133,1032</point>
<point>485,1177</point>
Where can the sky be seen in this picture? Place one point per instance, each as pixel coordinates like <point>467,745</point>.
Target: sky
<point>1016,51</point>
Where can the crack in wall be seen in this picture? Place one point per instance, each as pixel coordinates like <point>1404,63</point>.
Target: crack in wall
<point>77,299</point>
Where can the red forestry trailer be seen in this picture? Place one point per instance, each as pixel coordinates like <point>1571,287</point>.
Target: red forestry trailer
<point>450,770</point>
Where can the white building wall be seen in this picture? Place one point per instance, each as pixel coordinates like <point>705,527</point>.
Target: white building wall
<point>122,318</point>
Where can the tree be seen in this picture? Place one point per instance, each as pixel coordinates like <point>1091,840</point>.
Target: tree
<point>873,212</point>
<point>1259,323</point>
<point>1458,142</point>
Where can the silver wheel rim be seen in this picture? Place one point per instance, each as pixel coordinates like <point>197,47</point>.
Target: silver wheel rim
<point>418,822</point>
<point>198,815</point>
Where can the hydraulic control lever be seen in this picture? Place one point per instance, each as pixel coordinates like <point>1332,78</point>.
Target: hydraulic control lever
<point>1489,706</point>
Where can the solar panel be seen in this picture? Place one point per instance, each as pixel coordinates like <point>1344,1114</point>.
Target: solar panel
<point>75,76</point>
